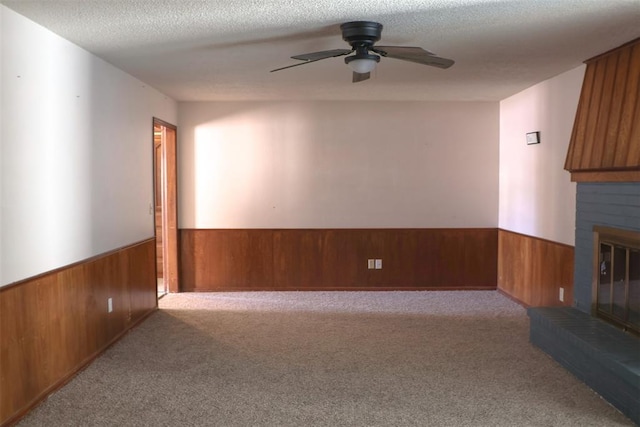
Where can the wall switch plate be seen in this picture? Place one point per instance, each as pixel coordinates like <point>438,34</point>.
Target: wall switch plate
<point>371,264</point>
<point>533,138</point>
<point>110,305</point>
<point>561,296</point>
<point>378,264</point>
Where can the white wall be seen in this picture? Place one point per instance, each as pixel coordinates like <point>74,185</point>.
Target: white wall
<point>76,150</point>
<point>537,197</point>
<point>338,164</point>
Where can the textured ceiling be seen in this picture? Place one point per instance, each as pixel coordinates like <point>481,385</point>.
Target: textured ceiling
<point>214,50</point>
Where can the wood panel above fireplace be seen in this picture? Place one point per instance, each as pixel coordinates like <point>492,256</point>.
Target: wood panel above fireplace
<point>605,142</point>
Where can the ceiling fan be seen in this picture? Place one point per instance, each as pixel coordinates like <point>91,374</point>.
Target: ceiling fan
<point>362,35</point>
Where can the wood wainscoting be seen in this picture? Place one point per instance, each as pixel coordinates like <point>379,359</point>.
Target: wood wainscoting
<point>54,324</point>
<point>336,259</point>
<point>532,270</point>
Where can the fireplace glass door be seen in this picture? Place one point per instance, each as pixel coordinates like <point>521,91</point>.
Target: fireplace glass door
<point>618,289</point>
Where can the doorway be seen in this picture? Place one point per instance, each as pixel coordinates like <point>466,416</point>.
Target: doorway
<point>165,206</point>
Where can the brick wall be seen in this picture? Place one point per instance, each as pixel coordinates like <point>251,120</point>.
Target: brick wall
<point>607,204</point>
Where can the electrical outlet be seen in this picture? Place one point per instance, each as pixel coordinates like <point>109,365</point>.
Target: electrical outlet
<point>561,296</point>
<point>110,305</point>
<point>378,264</point>
<point>371,264</point>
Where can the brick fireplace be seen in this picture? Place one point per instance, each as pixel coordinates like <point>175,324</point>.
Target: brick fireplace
<point>607,251</point>
<point>597,347</point>
<point>595,338</point>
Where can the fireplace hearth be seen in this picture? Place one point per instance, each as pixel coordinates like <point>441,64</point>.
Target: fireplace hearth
<point>596,339</point>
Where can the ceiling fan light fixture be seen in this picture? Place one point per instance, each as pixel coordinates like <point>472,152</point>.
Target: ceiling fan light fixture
<point>362,64</point>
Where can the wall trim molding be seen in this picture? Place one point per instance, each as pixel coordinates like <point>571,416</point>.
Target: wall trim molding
<point>606,176</point>
<point>541,239</point>
<point>354,289</point>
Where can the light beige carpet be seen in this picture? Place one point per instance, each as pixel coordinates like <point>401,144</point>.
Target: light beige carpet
<point>328,359</point>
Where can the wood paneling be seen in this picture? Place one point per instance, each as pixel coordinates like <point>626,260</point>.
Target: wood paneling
<point>324,259</point>
<point>226,259</point>
<point>139,281</point>
<point>532,270</point>
<point>54,324</point>
<point>606,132</point>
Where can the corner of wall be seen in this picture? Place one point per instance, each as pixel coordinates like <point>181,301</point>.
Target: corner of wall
<point>536,195</point>
<point>537,199</point>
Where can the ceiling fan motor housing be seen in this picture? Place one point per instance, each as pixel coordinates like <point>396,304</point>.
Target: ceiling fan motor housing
<point>361,35</point>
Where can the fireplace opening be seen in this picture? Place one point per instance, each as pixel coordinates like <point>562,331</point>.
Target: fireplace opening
<point>616,293</point>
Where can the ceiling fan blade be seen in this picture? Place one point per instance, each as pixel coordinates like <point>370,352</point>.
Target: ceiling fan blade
<point>413,54</point>
<point>297,65</point>
<point>359,77</point>
<point>315,56</point>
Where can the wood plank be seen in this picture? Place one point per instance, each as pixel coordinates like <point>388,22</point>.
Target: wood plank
<point>601,127</point>
<point>514,272</point>
<point>140,282</point>
<point>532,270</point>
<point>19,338</point>
<point>574,155</point>
<point>593,111</point>
<point>626,154</point>
<point>606,134</point>
<point>341,251</point>
<point>610,155</point>
<point>633,152</point>
<point>448,249</point>
<point>217,259</point>
<point>54,324</point>
<point>305,259</point>
<point>480,257</point>
<point>396,248</point>
<point>298,258</point>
